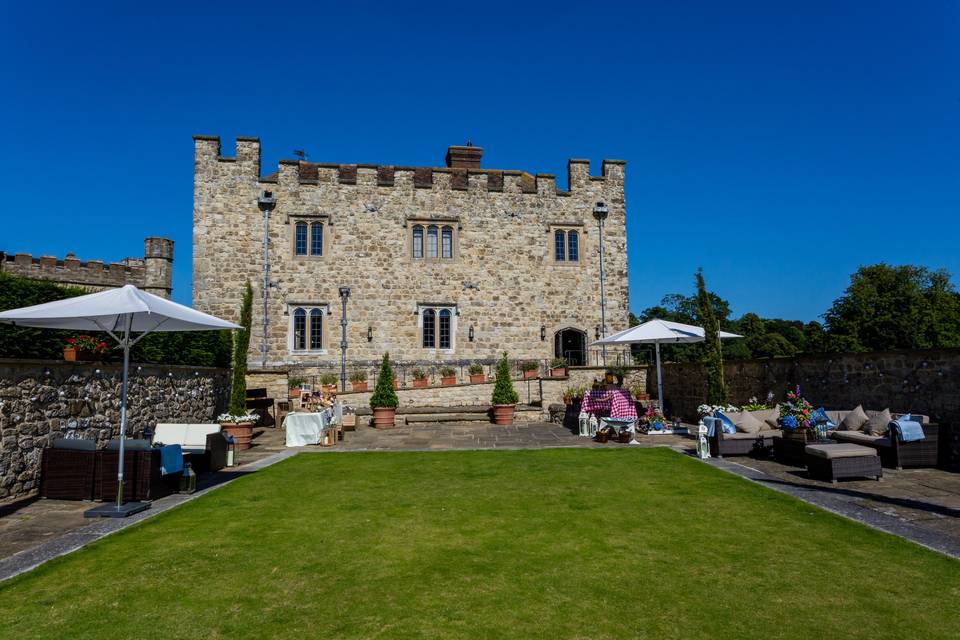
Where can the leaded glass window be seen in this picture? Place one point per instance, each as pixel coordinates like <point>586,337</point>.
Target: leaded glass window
<point>559,245</point>
<point>444,328</point>
<point>573,246</point>
<point>429,329</point>
<point>300,242</point>
<point>316,239</point>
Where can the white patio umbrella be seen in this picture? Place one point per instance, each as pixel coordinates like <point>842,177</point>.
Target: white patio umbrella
<point>659,332</point>
<point>120,313</point>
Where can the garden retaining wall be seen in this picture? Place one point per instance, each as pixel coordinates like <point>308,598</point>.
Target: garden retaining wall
<point>43,400</point>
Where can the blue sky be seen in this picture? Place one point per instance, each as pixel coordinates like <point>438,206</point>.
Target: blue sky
<point>777,145</point>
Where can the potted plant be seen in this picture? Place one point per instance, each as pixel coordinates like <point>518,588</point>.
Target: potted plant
<point>420,379</point>
<point>329,382</point>
<point>476,374</point>
<point>240,426</point>
<point>504,397</point>
<point>796,417</point>
<point>615,374</point>
<point>448,376</point>
<point>384,400</point>
<point>529,369</point>
<point>558,368</point>
<point>358,381</point>
<point>569,394</point>
<point>293,384</point>
<point>84,347</point>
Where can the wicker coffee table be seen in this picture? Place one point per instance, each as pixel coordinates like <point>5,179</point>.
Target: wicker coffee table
<point>832,462</point>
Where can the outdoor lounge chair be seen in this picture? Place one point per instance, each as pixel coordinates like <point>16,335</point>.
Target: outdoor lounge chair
<point>67,469</point>
<point>142,475</point>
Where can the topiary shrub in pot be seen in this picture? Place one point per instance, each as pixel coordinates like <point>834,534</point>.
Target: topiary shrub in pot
<point>505,397</point>
<point>529,369</point>
<point>476,374</point>
<point>384,400</point>
<point>329,382</point>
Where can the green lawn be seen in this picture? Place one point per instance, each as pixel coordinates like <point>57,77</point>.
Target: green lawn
<point>555,544</point>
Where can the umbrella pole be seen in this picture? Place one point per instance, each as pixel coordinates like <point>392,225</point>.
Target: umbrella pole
<point>659,378</point>
<point>123,408</point>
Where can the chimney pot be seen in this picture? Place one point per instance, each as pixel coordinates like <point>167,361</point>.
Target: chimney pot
<point>465,157</point>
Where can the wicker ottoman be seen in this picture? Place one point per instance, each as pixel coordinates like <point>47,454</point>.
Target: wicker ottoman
<point>832,462</point>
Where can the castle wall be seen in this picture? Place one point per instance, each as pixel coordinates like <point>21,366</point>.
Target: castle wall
<point>153,272</point>
<point>503,279</point>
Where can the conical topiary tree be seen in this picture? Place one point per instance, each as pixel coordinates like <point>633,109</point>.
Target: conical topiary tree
<point>384,400</point>
<point>384,395</point>
<point>504,395</point>
<point>241,343</point>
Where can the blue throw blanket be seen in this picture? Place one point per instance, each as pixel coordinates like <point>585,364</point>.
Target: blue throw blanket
<point>171,459</point>
<point>906,430</point>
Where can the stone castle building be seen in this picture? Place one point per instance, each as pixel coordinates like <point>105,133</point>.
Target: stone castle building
<point>153,272</point>
<point>448,264</point>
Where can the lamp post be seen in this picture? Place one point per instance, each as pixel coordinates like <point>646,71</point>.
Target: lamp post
<point>267,203</point>
<point>344,294</point>
<point>600,212</point>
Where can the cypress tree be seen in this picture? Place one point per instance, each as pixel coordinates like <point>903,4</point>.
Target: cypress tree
<point>383,394</point>
<point>503,391</point>
<point>713,356</point>
<point>241,343</point>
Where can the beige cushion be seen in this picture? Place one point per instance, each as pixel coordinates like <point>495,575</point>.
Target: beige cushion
<point>188,436</point>
<point>770,433</point>
<point>854,420</point>
<point>858,437</point>
<point>844,450</point>
<point>836,417</point>
<point>747,423</point>
<point>739,435</point>
<point>877,425</point>
<point>768,417</point>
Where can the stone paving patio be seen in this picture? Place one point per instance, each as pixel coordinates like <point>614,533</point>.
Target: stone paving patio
<point>919,504</point>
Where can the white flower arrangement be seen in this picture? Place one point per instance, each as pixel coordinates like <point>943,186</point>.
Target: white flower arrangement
<point>241,419</point>
<point>710,409</point>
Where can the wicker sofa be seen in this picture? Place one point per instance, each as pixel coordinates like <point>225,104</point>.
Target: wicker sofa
<point>743,443</point>
<point>67,469</point>
<point>142,475</point>
<point>205,443</point>
<point>893,453</point>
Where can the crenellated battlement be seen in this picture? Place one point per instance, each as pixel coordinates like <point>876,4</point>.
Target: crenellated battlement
<point>151,272</point>
<point>463,172</point>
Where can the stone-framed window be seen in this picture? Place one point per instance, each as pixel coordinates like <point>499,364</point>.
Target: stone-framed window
<point>437,324</point>
<point>309,236</point>
<point>306,332</point>
<point>433,241</point>
<point>566,245</point>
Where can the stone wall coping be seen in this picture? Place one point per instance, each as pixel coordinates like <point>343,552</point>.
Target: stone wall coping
<point>34,362</point>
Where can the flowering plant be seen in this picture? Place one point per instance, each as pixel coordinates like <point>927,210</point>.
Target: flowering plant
<point>710,409</point>
<point>237,419</point>
<point>653,415</point>
<point>88,344</point>
<point>796,412</point>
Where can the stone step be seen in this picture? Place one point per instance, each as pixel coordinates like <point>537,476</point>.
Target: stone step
<point>414,418</point>
<point>471,409</point>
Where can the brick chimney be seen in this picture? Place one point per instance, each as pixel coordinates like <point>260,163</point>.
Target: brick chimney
<point>467,157</point>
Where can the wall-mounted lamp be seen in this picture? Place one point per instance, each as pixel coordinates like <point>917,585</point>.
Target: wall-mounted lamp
<point>369,334</point>
<point>286,311</point>
<point>596,332</point>
<point>543,333</point>
<point>470,333</point>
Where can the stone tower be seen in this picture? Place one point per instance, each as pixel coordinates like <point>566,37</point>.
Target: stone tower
<point>158,266</point>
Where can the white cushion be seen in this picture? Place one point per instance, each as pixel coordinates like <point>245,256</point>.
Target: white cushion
<point>188,436</point>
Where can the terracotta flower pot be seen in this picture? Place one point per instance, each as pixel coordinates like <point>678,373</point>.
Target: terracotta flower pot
<point>396,384</point>
<point>72,354</point>
<point>358,386</point>
<point>420,383</point>
<point>558,372</point>
<point>329,388</point>
<point>477,378</point>
<point>384,417</point>
<point>295,392</point>
<point>503,414</point>
<point>527,375</point>
<point>448,381</point>
<point>242,433</point>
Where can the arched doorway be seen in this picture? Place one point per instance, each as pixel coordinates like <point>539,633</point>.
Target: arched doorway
<point>571,344</point>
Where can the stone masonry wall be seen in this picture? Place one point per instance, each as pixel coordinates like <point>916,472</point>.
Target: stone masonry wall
<point>502,279</point>
<point>41,401</point>
<point>153,272</point>
<point>920,381</point>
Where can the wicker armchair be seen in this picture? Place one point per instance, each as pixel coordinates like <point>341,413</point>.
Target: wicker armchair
<point>68,469</point>
<point>142,477</point>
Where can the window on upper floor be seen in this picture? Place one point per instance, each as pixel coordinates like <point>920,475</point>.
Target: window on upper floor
<point>309,237</point>
<point>433,241</point>
<point>566,246</point>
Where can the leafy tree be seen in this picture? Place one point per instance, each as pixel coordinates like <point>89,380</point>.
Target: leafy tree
<point>384,395</point>
<point>503,391</point>
<point>713,358</point>
<point>241,343</point>
<point>895,307</point>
